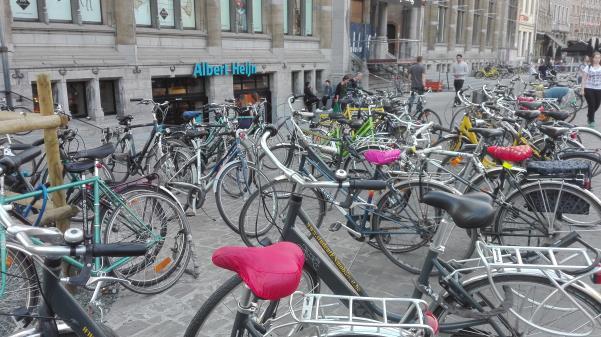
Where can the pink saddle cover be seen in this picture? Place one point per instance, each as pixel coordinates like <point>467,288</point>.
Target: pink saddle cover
<point>382,157</point>
<point>271,272</point>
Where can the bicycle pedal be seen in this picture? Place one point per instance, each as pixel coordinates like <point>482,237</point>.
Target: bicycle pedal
<point>335,226</point>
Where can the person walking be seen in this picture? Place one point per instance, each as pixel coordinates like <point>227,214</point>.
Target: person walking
<point>591,87</point>
<point>327,93</point>
<point>585,63</point>
<point>355,82</point>
<point>460,71</point>
<point>418,80</point>
<point>310,97</point>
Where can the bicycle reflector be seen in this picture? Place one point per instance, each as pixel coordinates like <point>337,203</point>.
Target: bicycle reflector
<point>432,321</point>
<point>596,278</point>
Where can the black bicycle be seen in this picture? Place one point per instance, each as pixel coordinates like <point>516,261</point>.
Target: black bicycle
<point>506,302</point>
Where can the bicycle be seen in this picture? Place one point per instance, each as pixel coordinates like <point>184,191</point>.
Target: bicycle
<point>463,300</point>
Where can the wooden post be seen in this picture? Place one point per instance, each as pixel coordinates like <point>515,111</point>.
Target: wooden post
<point>55,167</point>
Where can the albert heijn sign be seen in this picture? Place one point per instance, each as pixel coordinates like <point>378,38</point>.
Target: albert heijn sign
<point>207,70</point>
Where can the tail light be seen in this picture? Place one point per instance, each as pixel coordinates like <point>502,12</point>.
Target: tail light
<point>574,135</point>
<point>432,321</point>
<point>597,277</point>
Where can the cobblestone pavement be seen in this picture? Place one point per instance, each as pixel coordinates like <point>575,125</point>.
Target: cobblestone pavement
<point>168,313</point>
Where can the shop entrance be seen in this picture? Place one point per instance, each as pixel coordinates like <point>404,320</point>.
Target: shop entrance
<point>184,94</point>
<point>250,89</point>
<point>108,96</point>
<point>77,96</point>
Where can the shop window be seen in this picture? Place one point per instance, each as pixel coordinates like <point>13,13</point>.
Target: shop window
<point>184,93</point>
<point>188,14</point>
<point>142,12</point>
<point>165,13</point>
<point>78,103</point>
<point>108,97</point>
<point>249,90</point>
<point>24,9</point>
<point>34,95</point>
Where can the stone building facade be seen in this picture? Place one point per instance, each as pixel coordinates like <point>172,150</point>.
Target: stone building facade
<point>526,29</point>
<point>102,53</point>
<point>585,21</point>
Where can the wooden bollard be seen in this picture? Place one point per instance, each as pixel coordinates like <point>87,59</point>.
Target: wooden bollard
<point>55,166</point>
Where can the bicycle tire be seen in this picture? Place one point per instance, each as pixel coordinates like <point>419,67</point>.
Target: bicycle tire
<point>227,293</point>
<point>478,286</point>
<point>243,186</point>
<point>429,115</point>
<point>479,75</point>
<point>176,166</point>
<point>21,289</point>
<point>588,137</point>
<point>409,254</point>
<point>270,203</point>
<point>536,197</point>
<point>119,162</point>
<point>173,241</point>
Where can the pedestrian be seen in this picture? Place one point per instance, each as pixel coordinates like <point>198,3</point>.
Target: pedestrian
<point>355,82</point>
<point>418,80</point>
<point>327,93</point>
<point>591,87</point>
<point>585,63</point>
<point>310,97</point>
<point>339,93</point>
<point>542,69</point>
<point>460,71</point>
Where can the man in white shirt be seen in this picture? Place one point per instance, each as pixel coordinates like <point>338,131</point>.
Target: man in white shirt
<point>460,71</point>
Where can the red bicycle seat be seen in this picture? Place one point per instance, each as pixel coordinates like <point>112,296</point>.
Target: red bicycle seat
<point>510,153</point>
<point>382,157</point>
<point>271,272</point>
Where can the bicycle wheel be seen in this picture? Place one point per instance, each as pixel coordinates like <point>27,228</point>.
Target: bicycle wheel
<point>535,299</point>
<point>404,227</point>
<point>588,137</point>
<point>538,212</point>
<point>177,166</point>
<point>233,188</point>
<point>428,116</point>
<point>21,291</point>
<point>285,153</point>
<point>159,222</point>
<point>217,315</point>
<point>118,162</point>
<point>479,74</point>
<point>265,211</point>
<point>575,106</point>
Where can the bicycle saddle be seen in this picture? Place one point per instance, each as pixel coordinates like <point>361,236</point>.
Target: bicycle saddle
<point>510,153</point>
<point>354,124</point>
<point>552,131</point>
<point>382,157</point>
<point>96,153</point>
<point>471,210</point>
<point>487,133</point>
<point>271,272</point>
<point>531,105</point>
<point>79,166</point>
<point>527,114</point>
<point>125,119</point>
<point>557,115</point>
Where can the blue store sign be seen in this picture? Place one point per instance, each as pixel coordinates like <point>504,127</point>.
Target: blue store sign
<point>206,70</point>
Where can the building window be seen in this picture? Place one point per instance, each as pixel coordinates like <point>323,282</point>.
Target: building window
<point>511,24</point>
<point>459,36</point>
<point>300,13</point>
<point>296,90</point>
<point>188,14</point>
<point>477,22</point>
<point>165,13</point>
<point>357,11</point>
<point>57,10</point>
<point>142,12</point>
<point>257,10</point>
<point>440,32</point>
<point>24,9</point>
<point>240,13</point>
<point>78,102</point>
<point>108,96</point>
<point>490,22</point>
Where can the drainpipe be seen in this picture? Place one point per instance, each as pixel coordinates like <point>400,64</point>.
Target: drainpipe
<point>5,68</point>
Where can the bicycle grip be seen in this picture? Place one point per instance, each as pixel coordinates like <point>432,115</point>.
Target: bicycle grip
<point>136,100</point>
<point>119,249</point>
<point>367,184</point>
